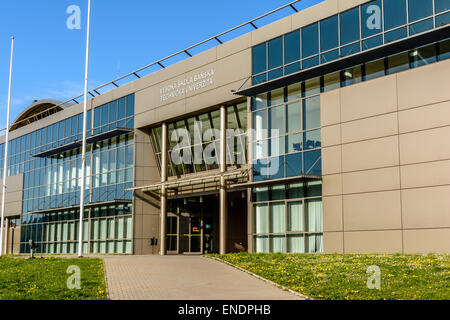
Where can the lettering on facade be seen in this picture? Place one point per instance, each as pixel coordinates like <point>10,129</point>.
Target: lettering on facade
<point>187,85</point>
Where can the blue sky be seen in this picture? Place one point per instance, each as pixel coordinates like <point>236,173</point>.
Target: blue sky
<point>125,35</point>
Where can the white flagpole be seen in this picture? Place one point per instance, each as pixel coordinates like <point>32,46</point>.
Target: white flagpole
<point>83,156</point>
<point>5,163</point>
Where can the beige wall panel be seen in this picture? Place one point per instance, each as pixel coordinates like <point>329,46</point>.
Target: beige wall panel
<point>370,128</point>
<point>330,107</point>
<point>332,213</point>
<point>369,98</point>
<point>315,13</point>
<point>427,117</point>
<point>371,180</point>
<point>370,154</point>
<point>137,224</point>
<point>425,174</point>
<point>150,226</point>
<point>426,207</point>
<point>422,146</point>
<point>331,160</point>
<point>372,211</point>
<point>201,59</point>
<point>272,30</point>
<point>235,45</point>
<point>171,111</point>
<point>427,241</point>
<point>373,241</point>
<point>424,85</point>
<point>348,4</point>
<point>232,68</point>
<point>331,135</point>
<point>145,118</point>
<point>332,185</point>
<point>333,242</point>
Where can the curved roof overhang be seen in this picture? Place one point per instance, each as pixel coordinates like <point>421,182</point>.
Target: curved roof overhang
<point>37,111</point>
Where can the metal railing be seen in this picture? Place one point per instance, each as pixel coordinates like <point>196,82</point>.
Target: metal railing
<point>160,63</point>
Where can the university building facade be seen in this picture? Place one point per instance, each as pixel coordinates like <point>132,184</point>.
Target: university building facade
<point>325,131</point>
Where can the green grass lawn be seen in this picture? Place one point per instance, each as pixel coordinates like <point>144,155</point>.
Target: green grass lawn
<point>339,277</point>
<point>46,279</point>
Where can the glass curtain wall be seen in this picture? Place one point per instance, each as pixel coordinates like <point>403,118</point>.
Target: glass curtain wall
<point>361,28</point>
<point>200,139</point>
<point>53,182</point>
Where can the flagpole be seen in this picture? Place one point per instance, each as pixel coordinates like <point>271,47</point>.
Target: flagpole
<point>83,155</point>
<point>5,162</point>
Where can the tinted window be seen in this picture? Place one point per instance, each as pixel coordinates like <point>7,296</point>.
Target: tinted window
<point>259,58</point>
<point>275,53</point>
<point>349,26</point>
<point>329,38</point>
<point>423,56</point>
<point>371,18</point>
<point>310,40</point>
<point>292,47</point>
<point>442,5</point>
<point>394,13</point>
<point>419,9</point>
<point>311,113</point>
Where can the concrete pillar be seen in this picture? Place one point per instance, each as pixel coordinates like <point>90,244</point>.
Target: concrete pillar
<point>223,186</point>
<point>163,216</point>
<point>6,234</point>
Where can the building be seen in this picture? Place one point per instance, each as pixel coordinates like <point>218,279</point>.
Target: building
<point>348,103</point>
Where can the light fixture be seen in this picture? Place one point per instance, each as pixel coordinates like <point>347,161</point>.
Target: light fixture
<point>201,199</point>
<point>243,195</point>
<point>185,201</point>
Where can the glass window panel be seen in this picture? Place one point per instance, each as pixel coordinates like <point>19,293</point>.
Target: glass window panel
<point>329,56</point>
<point>312,87</point>
<point>351,76</point>
<point>372,42</point>
<point>294,164</point>
<point>277,73</point>
<point>349,25</point>
<point>443,19</point>
<point>329,37</point>
<point>444,50</point>
<point>419,9</point>
<point>313,163</point>
<point>277,146</point>
<point>259,79</point>
<point>292,47</point>
<point>313,189</point>
<point>104,110</point>
<point>261,194</point>
<point>295,216</point>
<point>276,116</point>
<point>121,114</point>
<point>394,13</point>
<point>421,26</point>
<point>311,113</point>
<point>395,35</point>
<point>423,56</point>
<point>310,62</point>
<point>259,58</point>
<point>276,97</point>
<point>294,143</point>
<point>113,111</point>
<point>294,92</point>
<point>314,243</point>
<point>130,105</point>
<point>260,124</point>
<point>275,167</point>
<point>275,48</point>
<point>294,119</point>
<point>278,192</point>
<point>295,190</point>
<point>374,69</point>
<point>296,243</point>
<point>260,101</point>
<point>331,81</point>
<point>314,216</point>
<point>350,49</point>
<point>312,140</point>
<point>442,5</point>
<point>261,244</point>
<point>397,63</point>
<point>262,218</point>
<point>292,68</point>
<point>310,40</point>
<point>278,244</point>
<point>371,18</point>
<point>277,218</point>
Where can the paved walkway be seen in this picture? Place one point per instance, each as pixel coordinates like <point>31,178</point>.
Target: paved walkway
<point>183,277</point>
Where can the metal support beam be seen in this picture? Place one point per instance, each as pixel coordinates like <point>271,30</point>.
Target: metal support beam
<point>223,185</point>
<point>163,215</point>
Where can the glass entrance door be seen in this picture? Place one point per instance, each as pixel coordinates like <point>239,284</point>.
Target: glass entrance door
<point>191,234</point>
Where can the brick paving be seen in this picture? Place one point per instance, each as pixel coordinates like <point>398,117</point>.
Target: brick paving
<point>183,277</point>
